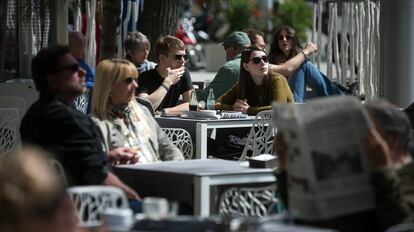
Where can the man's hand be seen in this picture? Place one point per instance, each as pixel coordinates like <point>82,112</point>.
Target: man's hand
<point>241,106</point>
<point>131,194</point>
<point>173,76</point>
<point>376,150</point>
<point>123,155</point>
<point>113,180</point>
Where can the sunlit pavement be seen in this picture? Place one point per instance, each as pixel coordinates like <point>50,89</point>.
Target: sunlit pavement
<point>201,75</point>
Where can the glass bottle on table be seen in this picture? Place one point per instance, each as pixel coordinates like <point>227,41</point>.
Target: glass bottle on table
<point>193,104</point>
<point>211,100</point>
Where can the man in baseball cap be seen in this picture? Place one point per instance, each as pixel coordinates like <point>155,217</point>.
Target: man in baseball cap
<point>228,74</point>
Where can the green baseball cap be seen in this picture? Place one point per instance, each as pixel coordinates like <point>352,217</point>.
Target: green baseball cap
<point>237,37</point>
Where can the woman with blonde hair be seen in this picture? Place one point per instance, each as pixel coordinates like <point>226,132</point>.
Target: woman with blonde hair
<point>32,197</point>
<point>123,122</point>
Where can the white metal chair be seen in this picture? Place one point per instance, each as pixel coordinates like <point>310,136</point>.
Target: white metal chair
<point>14,102</point>
<point>253,201</point>
<point>261,136</point>
<point>9,119</point>
<point>91,201</point>
<point>248,201</point>
<point>182,139</point>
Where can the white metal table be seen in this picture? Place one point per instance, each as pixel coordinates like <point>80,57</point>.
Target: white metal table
<point>198,128</point>
<point>190,181</point>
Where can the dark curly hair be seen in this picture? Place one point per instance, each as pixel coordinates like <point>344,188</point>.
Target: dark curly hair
<point>276,55</point>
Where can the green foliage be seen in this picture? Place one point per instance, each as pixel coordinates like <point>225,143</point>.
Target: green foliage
<point>238,14</point>
<point>295,13</point>
<point>241,14</point>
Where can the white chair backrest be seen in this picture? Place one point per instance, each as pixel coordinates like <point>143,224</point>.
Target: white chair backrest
<point>182,139</point>
<point>9,118</point>
<point>13,102</point>
<point>261,135</point>
<point>81,103</point>
<point>57,168</point>
<point>91,201</point>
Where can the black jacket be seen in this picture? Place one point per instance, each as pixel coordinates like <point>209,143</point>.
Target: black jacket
<point>55,125</point>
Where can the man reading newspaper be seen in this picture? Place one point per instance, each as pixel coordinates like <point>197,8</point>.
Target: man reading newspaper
<point>386,148</point>
<point>327,174</point>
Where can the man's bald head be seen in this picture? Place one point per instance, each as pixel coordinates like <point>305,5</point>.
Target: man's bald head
<point>76,44</point>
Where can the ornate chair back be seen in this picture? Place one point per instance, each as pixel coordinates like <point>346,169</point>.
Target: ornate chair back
<point>91,201</point>
<point>182,139</point>
<point>15,102</point>
<point>9,120</point>
<point>248,201</point>
<point>261,136</point>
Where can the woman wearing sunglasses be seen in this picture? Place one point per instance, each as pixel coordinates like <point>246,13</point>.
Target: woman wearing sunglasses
<point>124,123</point>
<point>257,87</point>
<point>285,46</point>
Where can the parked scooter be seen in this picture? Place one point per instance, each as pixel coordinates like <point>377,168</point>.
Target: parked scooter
<point>185,32</point>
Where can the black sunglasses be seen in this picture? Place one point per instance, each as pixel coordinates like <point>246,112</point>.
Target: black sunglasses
<point>288,37</point>
<point>257,60</point>
<point>72,67</point>
<point>179,57</point>
<point>129,80</point>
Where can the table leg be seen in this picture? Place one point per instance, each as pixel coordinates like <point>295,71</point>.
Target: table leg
<point>201,141</point>
<point>202,196</point>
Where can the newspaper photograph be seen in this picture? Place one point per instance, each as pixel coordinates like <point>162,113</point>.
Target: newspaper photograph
<point>327,173</point>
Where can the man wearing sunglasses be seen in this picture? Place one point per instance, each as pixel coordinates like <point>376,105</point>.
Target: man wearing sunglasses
<point>55,125</point>
<point>163,85</point>
<point>228,74</point>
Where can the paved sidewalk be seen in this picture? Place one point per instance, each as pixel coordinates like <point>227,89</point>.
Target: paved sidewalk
<point>202,75</point>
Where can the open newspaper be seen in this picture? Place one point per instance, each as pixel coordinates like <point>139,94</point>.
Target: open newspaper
<point>327,172</point>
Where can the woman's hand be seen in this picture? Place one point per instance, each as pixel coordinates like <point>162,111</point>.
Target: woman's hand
<point>310,48</point>
<point>123,155</point>
<point>241,105</point>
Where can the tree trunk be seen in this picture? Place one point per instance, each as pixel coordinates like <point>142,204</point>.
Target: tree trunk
<point>52,20</point>
<point>3,15</point>
<point>159,18</point>
<point>110,24</point>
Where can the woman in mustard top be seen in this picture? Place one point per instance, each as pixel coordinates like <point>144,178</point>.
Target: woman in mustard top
<point>257,87</point>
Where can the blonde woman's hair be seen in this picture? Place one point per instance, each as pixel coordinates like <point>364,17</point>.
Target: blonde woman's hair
<point>28,188</point>
<point>108,73</point>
